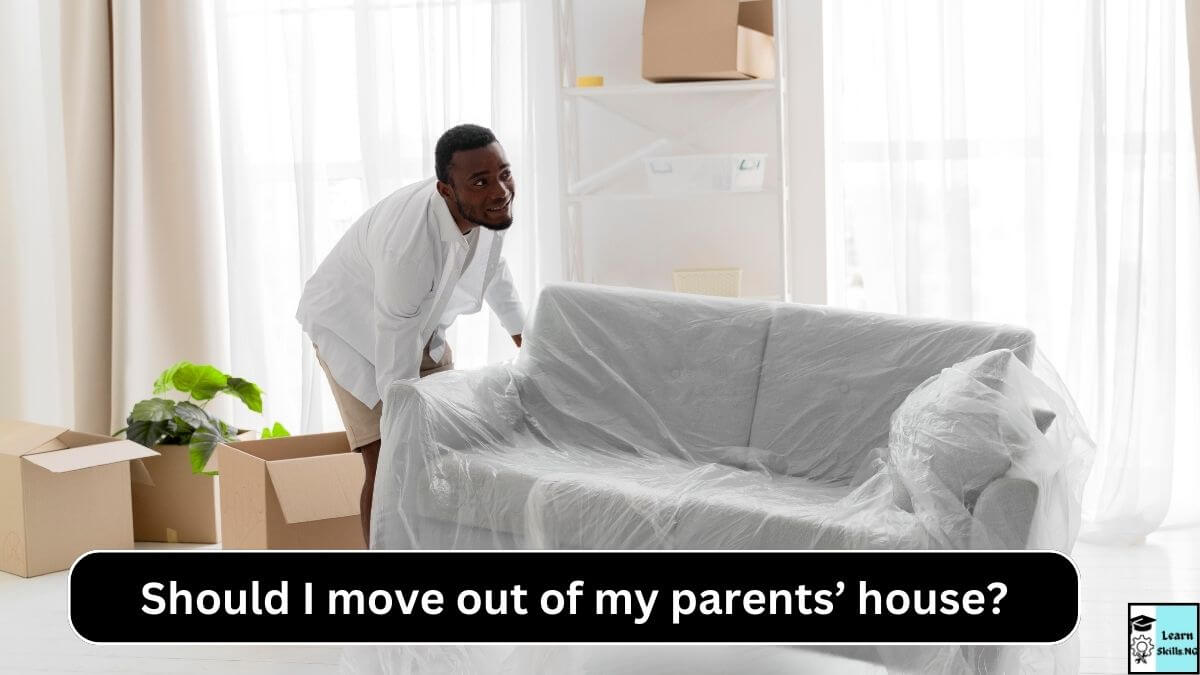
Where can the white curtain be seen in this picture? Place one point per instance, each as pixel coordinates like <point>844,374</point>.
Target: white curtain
<point>172,172</point>
<point>170,282</point>
<point>55,213</point>
<point>111,254</point>
<point>1032,163</point>
<point>325,107</point>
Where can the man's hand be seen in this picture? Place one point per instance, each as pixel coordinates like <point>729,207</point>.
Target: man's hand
<point>517,339</point>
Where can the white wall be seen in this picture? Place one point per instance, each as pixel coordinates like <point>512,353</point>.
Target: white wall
<point>806,150</point>
<point>639,242</point>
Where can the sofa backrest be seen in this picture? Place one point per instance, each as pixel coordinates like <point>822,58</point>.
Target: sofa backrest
<point>831,379</point>
<point>647,367</point>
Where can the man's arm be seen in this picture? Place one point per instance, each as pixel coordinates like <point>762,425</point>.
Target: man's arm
<point>501,296</point>
<point>402,284</point>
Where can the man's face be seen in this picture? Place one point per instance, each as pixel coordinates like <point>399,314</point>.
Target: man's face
<point>481,187</point>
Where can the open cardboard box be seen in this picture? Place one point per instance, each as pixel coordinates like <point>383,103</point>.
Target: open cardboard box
<point>685,40</point>
<point>62,493</point>
<point>171,504</point>
<point>296,492</point>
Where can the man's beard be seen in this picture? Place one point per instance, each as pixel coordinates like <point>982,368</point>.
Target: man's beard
<point>473,217</point>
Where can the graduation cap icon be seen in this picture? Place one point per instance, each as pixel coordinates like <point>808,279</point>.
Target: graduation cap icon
<point>1141,622</point>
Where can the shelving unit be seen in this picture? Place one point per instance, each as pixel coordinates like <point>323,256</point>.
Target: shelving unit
<point>726,87</point>
<point>640,196</point>
<point>578,189</point>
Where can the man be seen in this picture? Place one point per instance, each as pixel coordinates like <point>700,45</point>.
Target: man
<point>378,306</point>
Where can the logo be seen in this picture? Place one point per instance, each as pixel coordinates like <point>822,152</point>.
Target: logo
<point>1162,638</point>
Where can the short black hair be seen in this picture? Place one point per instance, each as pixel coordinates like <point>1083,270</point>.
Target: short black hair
<point>461,137</point>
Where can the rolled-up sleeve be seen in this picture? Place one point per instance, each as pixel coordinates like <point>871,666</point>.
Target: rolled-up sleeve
<point>501,296</point>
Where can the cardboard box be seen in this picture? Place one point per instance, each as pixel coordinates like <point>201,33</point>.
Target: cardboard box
<point>172,504</point>
<point>297,492</point>
<point>62,493</point>
<point>685,40</point>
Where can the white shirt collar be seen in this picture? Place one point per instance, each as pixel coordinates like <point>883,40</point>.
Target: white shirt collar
<point>446,224</point>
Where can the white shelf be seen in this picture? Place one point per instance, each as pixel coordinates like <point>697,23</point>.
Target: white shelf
<point>578,191</point>
<point>647,196</point>
<point>707,87</point>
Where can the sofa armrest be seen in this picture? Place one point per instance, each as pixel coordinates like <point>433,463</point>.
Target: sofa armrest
<point>460,409</point>
<point>1003,514</point>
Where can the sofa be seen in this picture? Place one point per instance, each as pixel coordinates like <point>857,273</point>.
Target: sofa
<point>635,419</point>
<point>640,419</point>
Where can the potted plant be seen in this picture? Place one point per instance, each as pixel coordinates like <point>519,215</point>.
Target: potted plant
<point>174,500</point>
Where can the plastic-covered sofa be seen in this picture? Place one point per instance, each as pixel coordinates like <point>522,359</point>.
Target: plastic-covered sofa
<point>638,419</point>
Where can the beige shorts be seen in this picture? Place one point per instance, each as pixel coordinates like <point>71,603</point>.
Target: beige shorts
<point>361,422</point>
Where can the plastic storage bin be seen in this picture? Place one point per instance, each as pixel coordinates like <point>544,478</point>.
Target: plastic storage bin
<point>741,172</point>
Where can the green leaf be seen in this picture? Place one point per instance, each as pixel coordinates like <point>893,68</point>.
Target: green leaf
<point>208,432</point>
<point>167,379</point>
<point>229,431</point>
<point>204,441</point>
<point>200,382</point>
<point>247,391</point>
<point>152,410</point>
<point>148,434</point>
<point>190,418</point>
<point>194,416</point>
<point>278,431</point>
<point>180,431</point>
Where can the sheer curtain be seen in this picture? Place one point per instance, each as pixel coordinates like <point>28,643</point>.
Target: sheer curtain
<point>210,154</point>
<point>326,106</point>
<point>1033,163</point>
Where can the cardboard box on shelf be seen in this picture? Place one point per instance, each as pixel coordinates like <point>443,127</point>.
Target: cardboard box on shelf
<point>62,493</point>
<point>688,40</point>
<point>171,504</point>
<point>297,492</point>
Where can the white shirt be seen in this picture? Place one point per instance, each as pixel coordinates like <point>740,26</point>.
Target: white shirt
<point>396,280</point>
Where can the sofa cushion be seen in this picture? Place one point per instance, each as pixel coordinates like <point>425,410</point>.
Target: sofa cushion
<point>793,513</point>
<point>660,370</point>
<point>587,488</point>
<point>831,379</point>
<point>580,498</point>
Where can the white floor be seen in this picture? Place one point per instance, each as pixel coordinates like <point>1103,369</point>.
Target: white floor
<point>1166,568</point>
<point>35,636</point>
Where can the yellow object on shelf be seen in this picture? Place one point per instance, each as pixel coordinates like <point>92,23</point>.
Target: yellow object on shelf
<point>589,81</point>
<point>722,281</point>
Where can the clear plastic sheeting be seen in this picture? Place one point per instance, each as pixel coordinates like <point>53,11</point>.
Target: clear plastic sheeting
<point>642,420</point>
<point>547,660</point>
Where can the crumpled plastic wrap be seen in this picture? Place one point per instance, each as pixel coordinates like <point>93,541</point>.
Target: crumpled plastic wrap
<point>642,420</point>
